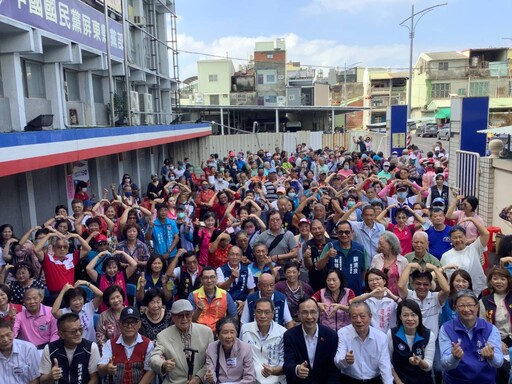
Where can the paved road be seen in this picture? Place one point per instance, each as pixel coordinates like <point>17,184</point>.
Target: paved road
<point>426,143</point>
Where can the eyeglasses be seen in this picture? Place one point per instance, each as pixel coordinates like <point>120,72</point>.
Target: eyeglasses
<point>344,232</point>
<point>375,279</point>
<point>76,331</point>
<point>462,307</point>
<point>101,244</point>
<point>130,323</point>
<point>62,246</point>
<point>208,277</point>
<point>183,315</point>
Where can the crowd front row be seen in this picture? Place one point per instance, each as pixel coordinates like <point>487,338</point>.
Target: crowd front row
<point>262,351</point>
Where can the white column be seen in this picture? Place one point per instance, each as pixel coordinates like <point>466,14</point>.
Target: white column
<point>332,120</point>
<point>277,120</point>
<point>222,121</point>
<point>13,89</point>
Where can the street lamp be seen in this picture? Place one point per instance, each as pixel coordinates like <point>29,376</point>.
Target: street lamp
<point>411,29</point>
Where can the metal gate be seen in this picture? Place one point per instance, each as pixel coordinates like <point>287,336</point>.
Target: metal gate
<point>468,170</point>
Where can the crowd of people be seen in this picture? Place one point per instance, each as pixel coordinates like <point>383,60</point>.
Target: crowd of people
<point>317,266</point>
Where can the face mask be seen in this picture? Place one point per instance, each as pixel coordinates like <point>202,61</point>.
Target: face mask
<point>84,189</point>
<point>171,178</point>
<point>292,194</point>
<point>222,169</point>
<point>419,212</point>
<point>181,215</point>
<point>345,194</point>
<point>439,206</point>
<point>128,194</point>
<point>175,191</point>
<point>350,203</point>
<point>402,195</point>
<point>346,166</point>
<point>219,178</point>
<point>204,187</point>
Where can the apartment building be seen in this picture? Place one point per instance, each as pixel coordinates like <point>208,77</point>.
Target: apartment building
<point>214,81</point>
<point>382,88</point>
<point>440,76</point>
<point>270,72</point>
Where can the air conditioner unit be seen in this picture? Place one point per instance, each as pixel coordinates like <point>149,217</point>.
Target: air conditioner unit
<point>139,21</point>
<point>148,108</point>
<point>402,102</point>
<point>135,109</point>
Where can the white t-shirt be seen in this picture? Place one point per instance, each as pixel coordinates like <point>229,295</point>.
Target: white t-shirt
<point>86,316</point>
<point>470,259</point>
<point>430,309</point>
<point>383,313</point>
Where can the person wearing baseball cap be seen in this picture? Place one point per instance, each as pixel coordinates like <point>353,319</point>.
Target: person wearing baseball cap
<point>126,357</point>
<point>180,350</point>
<point>385,174</point>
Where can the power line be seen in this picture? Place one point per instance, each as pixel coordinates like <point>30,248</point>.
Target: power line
<point>338,67</point>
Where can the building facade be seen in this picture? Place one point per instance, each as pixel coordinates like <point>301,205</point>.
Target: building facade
<point>61,64</point>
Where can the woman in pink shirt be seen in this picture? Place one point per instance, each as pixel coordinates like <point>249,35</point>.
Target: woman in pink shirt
<point>468,206</point>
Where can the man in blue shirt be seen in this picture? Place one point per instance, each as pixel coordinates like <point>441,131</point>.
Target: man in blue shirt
<point>438,234</point>
<point>366,232</point>
<point>348,256</point>
<point>164,233</point>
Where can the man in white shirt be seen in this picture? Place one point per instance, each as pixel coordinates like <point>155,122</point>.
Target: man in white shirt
<point>19,359</point>
<point>363,354</point>
<point>265,337</point>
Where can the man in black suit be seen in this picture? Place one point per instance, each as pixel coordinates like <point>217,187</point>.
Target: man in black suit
<point>309,349</point>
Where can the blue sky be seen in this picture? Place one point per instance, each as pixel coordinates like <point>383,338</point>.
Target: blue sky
<point>337,32</point>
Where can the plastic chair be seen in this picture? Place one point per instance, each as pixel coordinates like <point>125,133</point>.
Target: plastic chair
<point>131,290</point>
<point>492,232</point>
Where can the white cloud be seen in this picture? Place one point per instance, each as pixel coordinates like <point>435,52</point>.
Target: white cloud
<point>351,6</point>
<point>313,53</point>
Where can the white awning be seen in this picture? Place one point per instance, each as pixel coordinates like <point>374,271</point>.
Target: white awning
<point>496,131</point>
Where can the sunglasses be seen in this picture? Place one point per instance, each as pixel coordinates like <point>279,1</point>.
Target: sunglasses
<point>344,232</point>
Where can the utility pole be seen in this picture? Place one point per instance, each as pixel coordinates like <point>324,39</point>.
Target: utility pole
<point>411,27</point>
